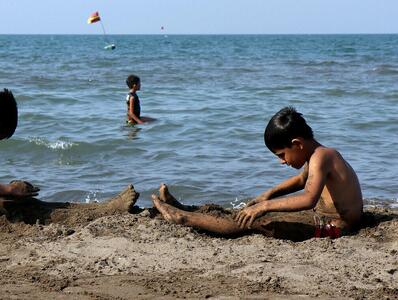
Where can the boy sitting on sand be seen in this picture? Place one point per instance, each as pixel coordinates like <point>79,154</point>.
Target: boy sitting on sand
<point>8,123</point>
<point>330,203</point>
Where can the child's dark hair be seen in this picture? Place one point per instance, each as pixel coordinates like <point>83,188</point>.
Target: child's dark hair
<point>8,114</point>
<point>131,80</point>
<point>286,125</point>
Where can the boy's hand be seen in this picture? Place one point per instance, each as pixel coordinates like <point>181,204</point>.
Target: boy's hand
<point>247,215</point>
<point>23,189</point>
<point>252,202</point>
<point>262,197</point>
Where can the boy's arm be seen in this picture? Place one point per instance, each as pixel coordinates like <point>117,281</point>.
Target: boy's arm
<point>317,171</point>
<point>131,111</point>
<point>288,186</point>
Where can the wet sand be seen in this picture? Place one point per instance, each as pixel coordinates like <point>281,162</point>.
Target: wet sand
<point>138,255</point>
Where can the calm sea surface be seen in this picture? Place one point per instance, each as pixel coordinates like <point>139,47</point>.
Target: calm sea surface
<point>212,97</point>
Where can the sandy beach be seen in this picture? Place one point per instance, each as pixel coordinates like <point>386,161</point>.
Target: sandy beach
<point>138,255</point>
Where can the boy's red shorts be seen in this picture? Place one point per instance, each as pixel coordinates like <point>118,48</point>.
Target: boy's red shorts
<point>327,230</point>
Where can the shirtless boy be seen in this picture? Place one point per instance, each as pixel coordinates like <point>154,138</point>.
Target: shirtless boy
<point>331,196</point>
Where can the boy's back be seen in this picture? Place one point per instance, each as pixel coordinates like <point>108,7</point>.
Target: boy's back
<point>341,197</point>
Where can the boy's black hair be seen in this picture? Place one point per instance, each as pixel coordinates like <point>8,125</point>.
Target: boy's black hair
<point>286,125</point>
<point>8,114</point>
<point>131,80</point>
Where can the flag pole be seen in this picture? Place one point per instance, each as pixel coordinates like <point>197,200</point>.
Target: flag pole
<point>103,29</point>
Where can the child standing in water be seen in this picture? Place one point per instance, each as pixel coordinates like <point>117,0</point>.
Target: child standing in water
<point>132,100</point>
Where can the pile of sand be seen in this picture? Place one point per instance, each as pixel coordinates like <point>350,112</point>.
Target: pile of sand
<point>126,256</point>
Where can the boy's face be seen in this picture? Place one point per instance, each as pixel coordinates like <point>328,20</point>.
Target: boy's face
<point>138,86</point>
<point>293,156</point>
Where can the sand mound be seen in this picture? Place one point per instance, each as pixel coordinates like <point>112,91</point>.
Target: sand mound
<point>124,256</point>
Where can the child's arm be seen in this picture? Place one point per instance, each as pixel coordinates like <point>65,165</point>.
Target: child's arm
<point>317,171</point>
<point>131,112</point>
<point>288,186</point>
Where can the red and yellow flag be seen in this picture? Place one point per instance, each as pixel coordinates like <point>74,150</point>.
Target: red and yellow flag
<point>94,18</point>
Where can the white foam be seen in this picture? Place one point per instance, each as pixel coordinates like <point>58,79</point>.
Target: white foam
<point>237,204</point>
<point>63,145</point>
<point>91,197</point>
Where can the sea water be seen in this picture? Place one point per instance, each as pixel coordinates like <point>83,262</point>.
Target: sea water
<point>212,96</point>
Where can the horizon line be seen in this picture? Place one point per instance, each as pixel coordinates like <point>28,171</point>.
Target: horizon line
<point>163,34</point>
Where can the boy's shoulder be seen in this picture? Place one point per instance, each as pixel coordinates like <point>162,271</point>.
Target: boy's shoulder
<point>327,151</point>
<point>325,154</point>
<point>131,95</point>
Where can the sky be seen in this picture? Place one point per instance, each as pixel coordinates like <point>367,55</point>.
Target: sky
<point>199,16</point>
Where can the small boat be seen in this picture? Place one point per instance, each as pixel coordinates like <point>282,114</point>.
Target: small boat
<point>110,47</point>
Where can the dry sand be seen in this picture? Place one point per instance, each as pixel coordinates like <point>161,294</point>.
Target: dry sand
<point>141,256</point>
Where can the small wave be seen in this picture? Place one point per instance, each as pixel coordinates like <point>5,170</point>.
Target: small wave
<point>63,145</point>
<point>385,70</point>
<point>335,92</point>
<point>314,63</point>
<point>376,202</point>
<point>348,50</point>
<point>373,125</point>
<point>325,63</point>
